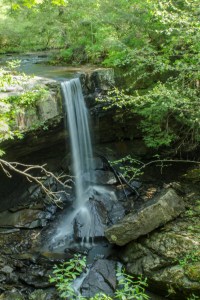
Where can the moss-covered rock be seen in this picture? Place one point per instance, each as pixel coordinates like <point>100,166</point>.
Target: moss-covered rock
<point>170,257</point>
<point>167,206</point>
<point>193,271</point>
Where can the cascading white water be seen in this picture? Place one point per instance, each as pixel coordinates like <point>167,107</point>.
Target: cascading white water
<point>84,221</point>
<point>79,131</point>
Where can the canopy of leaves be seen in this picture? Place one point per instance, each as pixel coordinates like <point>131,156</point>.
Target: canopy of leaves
<point>153,46</point>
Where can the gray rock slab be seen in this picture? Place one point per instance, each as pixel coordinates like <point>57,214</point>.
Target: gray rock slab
<point>26,218</point>
<point>91,220</point>
<point>166,207</point>
<point>101,279</point>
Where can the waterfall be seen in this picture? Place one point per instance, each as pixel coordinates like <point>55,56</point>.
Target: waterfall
<point>80,138</point>
<point>85,221</point>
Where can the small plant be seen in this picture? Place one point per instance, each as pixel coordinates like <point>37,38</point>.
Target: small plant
<point>129,167</point>
<point>5,79</point>
<point>28,98</point>
<point>193,297</point>
<point>13,64</point>
<point>1,152</point>
<point>65,274</point>
<point>189,258</point>
<point>131,288</point>
<point>171,291</point>
<point>189,213</point>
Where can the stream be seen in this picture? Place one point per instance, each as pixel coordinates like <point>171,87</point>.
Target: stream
<point>36,64</point>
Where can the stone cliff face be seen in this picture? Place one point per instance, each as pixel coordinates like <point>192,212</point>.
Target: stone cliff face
<point>45,138</point>
<point>43,123</point>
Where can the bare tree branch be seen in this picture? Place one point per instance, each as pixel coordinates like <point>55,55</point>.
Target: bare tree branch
<point>25,170</point>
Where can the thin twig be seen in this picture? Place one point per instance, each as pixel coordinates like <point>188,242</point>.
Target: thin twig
<point>25,170</point>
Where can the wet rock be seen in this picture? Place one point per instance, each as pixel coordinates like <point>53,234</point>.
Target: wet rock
<point>107,196</point>
<point>34,192</point>
<point>36,276</point>
<point>167,206</point>
<point>90,99</point>
<point>6,270</point>
<point>48,107</point>
<point>13,89</point>
<point>16,241</point>
<point>100,177</point>
<point>52,258</point>
<point>101,279</point>
<point>12,295</point>
<point>26,218</point>
<point>38,294</point>
<point>117,213</point>
<point>7,231</point>
<point>43,295</point>
<point>74,249</point>
<point>102,79</point>
<point>30,257</point>
<point>99,80</point>
<point>105,177</point>
<point>2,277</point>
<point>91,220</point>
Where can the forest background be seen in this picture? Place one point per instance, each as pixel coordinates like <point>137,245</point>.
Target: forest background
<point>152,45</point>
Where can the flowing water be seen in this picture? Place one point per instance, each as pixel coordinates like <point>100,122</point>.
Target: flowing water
<point>81,223</point>
<point>81,147</point>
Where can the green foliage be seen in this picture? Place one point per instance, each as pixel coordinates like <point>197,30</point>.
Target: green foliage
<point>5,79</point>
<point>27,99</point>
<point>18,4</point>
<point>169,114</point>
<point>67,272</point>
<point>193,297</point>
<point>131,288</point>
<point>129,167</point>
<point>1,152</point>
<point>13,64</point>
<point>11,107</point>
<point>193,175</point>
<point>191,257</point>
<point>153,45</point>
<point>160,72</point>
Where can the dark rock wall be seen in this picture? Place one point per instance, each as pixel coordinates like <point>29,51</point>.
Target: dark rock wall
<point>49,142</point>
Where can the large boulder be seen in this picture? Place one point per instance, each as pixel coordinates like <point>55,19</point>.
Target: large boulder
<point>99,80</point>
<point>170,256</point>
<point>161,210</point>
<point>170,260</point>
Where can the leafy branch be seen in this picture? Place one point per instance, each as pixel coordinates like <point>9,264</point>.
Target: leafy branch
<point>65,274</point>
<point>133,168</point>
